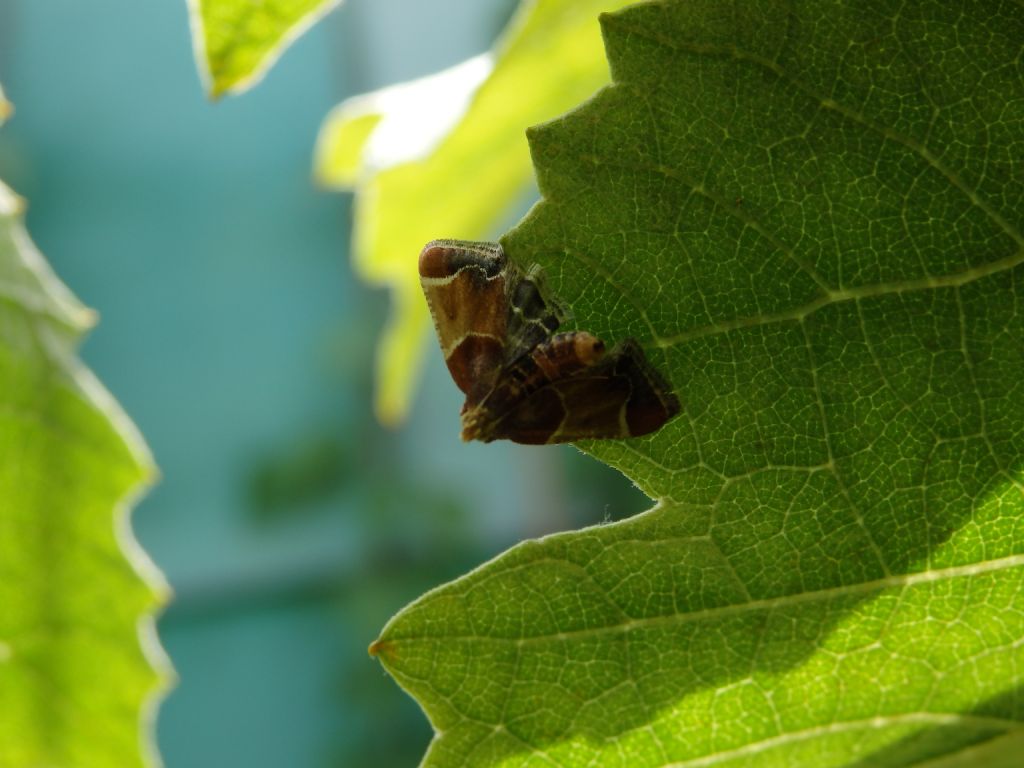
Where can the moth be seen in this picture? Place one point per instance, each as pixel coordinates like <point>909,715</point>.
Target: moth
<point>523,381</point>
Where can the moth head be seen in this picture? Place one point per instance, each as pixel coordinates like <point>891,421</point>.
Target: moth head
<point>441,260</point>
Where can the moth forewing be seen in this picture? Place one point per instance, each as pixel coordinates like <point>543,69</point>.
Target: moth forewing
<point>553,360</point>
<point>464,284</point>
<point>614,395</point>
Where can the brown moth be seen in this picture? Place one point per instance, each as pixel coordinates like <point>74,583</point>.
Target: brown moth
<point>524,382</point>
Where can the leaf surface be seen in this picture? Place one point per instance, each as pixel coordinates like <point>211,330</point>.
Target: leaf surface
<point>237,41</point>
<point>75,610</point>
<point>810,216</point>
<point>463,187</point>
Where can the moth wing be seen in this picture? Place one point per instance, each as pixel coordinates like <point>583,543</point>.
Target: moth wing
<point>464,284</point>
<point>619,396</point>
<point>533,316</point>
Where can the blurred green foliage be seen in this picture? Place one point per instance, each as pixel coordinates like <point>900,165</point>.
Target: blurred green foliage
<point>290,525</point>
<point>237,41</point>
<point>74,675</point>
<point>549,59</point>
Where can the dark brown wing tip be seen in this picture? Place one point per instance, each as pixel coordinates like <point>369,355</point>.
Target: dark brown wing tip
<point>434,259</point>
<point>658,385</point>
<point>444,258</point>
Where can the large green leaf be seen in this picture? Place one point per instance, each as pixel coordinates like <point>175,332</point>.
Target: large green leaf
<point>549,60</point>
<point>75,612</point>
<point>810,215</point>
<point>237,41</point>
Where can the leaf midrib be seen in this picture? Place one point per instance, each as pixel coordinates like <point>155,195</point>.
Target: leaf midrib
<point>785,601</point>
<point>801,312</point>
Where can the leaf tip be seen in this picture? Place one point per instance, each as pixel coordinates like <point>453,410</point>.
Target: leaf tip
<point>382,648</point>
<point>215,92</point>
<point>11,203</point>
<point>339,161</point>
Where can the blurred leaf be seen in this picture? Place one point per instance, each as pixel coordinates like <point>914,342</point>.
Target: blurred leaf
<point>237,41</point>
<point>75,610</point>
<point>5,107</point>
<point>463,184</point>
<point>339,160</point>
<point>297,476</point>
<point>810,215</point>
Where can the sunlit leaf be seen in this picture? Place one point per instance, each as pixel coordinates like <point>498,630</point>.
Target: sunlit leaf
<point>810,214</point>
<point>237,41</point>
<point>5,107</point>
<point>79,664</point>
<point>463,186</point>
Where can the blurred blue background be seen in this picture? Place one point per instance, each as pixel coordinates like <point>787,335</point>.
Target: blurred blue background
<point>289,524</point>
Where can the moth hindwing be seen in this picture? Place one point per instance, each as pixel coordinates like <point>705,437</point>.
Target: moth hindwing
<point>523,381</point>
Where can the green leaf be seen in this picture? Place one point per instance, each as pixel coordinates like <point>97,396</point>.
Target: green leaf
<point>550,59</point>
<point>75,685</point>
<point>237,41</point>
<point>5,107</point>
<point>810,215</point>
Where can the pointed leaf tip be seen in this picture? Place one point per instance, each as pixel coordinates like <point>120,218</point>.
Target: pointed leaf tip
<point>237,41</point>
